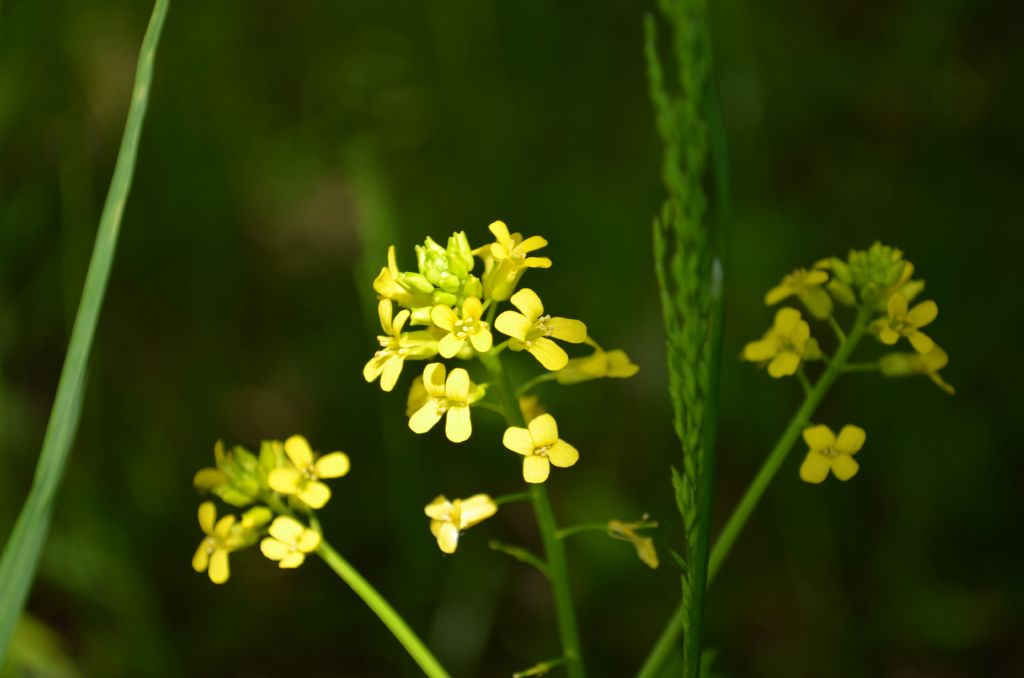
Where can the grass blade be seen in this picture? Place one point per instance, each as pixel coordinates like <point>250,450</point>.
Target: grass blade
<point>21,553</point>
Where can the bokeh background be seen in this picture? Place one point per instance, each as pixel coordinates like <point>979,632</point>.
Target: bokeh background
<point>288,143</point>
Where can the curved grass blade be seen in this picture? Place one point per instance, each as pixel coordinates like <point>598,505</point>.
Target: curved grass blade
<point>21,553</point>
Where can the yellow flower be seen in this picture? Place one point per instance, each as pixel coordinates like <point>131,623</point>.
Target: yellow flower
<point>395,347</point>
<point>448,518</point>
<point>783,346</point>
<point>613,364</point>
<point>828,452</point>
<point>540,446</point>
<point>530,329</point>
<point>928,364</point>
<point>303,479</point>
<point>807,286</point>
<point>212,554</point>
<point>449,396</point>
<point>507,259</point>
<point>644,545</point>
<point>289,542</point>
<point>468,327</point>
<point>902,322</point>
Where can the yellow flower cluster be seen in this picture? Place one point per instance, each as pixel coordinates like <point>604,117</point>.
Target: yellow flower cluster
<point>282,483</point>
<point>443,311</point>
<point>878,282</point>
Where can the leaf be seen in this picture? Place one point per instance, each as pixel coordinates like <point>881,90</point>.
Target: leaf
<point>21,553</point>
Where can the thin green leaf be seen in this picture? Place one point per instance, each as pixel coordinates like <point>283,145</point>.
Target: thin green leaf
<point>21,553</point>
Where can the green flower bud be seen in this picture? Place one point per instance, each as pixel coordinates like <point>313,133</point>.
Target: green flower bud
<point>877,271</point>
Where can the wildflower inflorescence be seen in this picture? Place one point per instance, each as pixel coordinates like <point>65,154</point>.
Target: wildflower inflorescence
<point>442,311</point>
<point>878,282</point>
<point>281,487</point>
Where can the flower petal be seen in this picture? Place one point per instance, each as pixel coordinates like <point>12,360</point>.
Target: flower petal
<point>450,345</point>
<point>844,467</point>
<point>292,560</point>
<point>390,373</point>
<point>284,480</point>
<point>458,425</point>
<point>201,558</point>
<point>513,324</point>
<point>274,549</point>
<point>888,335</point>
<point>778,293</point>
<point>527,301</point>
<point>223,527</point>
<point>786,320</point>
<point>373,367</point>
<point>448,537</point>
<point>471,308</point>
<point>333,465</point>
<point>783,365</point>
<point>384,310</point>
<point>562,454</point>
<point>206,478</point>
<point>537,262</point>
<point>475,509</point>
<point>219,570</point>
<point>535,468</point>
<point>923,314</point>
<point>456,388</point>
<point>439,509</point>
<point>760,350</point>
<point>543,430</point>
<point>298,450</point>
<point>819,437</point>
<point>549,354</point>
<point>518,440</point>
<point>815,468</point>
<point>286,529</point>
<point>482,340</point>
<point>207,516</point>
<point>850,439</point>
<point>897,306</point>
<point>444,317</point>
<point>534,242</point>
<point>314,494</point>
<point>309,541</point>
<point>921,342</point>
<point>567,329</point>
<point>434,376</point>
<point>426,417</point>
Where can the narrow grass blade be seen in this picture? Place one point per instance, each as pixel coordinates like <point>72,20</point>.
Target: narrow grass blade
<point>21,553</point>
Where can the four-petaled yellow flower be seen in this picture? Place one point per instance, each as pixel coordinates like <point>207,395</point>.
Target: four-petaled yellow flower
<point>507,259</point>
<point>532,330</point>
<point>448,518</point>
<point>212,554</point>
<point>540,446</point>
<point>469,327</point>
<point>783,346</point>
<point>902,322</point>
<point>303,480</point>
<point>395,347</point>
<point>447,395</point>
<point>807,286</point>
<point>827,452</point>
<point>289,542</point>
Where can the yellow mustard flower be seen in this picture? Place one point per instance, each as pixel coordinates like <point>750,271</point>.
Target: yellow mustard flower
<point>613,364</point>
<point>395,347</point>
<point>448,518</point>
<point>449,396</point>
<point>540,446</point>
<point>902,322</point>
<point>303,479</point>
<point>928,364</point>
<point>212,554</point>
<point>507,259</point>
<point>532,330</point>
<point>644,546</point>
<point>807,286</point>
<point>289,542</point>
<point>827,452</point>
<point>469,327</point>
<point>783,346</point>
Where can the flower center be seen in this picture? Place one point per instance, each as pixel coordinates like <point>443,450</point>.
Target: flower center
<point>465,328</point>
<point>829,452</point>
<point>542,451</point>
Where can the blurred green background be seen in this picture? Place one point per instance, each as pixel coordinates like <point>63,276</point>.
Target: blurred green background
<point>288,143</point>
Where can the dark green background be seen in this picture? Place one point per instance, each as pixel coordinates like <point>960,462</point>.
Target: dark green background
<point>287,143</point>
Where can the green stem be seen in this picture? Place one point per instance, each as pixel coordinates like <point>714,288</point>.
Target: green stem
<point>539,379</point>
<point>409,640</point>
<point>862,367</point>
<point>600,527</point>
<point>520,554</point>
<point>666,643</point>
<point>554,550</point>
<point>509,498</point>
